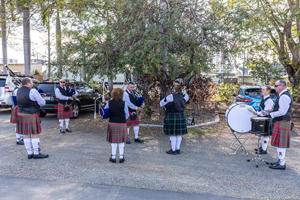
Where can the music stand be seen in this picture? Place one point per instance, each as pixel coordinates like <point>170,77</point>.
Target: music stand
<point>239,138</point>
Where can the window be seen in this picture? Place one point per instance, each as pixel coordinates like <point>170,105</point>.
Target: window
<point>89,89</point>
<point>2,82</point>
<point>48,88</point>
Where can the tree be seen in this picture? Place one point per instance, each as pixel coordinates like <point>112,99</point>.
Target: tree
<point>4,37</point>
<point>272,27</point>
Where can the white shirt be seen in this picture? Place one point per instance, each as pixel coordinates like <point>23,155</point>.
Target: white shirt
<point>284,105</point>
<point>125,109</point>
<point>59,95</point>
<point>126,98</point>
<point>169,98</point>
<point>34,95</point>
<point>268,105</point>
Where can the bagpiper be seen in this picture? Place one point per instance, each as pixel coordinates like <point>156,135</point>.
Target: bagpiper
<point>62,93</point>
<point>28,120</point>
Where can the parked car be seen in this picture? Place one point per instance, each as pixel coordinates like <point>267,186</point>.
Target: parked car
<point>7,87</point>
<point>252,95</point>
<point>84,101</point>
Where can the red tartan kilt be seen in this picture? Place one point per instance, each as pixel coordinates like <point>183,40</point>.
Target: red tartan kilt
<point>116,132</point>
<point>281,134</point>
<point>130,122</point>
<point>28,124</point>
<point>62,114</point>
<point>14,115</point>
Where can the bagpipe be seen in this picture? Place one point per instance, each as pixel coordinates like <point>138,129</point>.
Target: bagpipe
<point>71,93</point>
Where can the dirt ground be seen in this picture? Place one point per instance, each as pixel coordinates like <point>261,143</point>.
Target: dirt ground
<point>206,165</point>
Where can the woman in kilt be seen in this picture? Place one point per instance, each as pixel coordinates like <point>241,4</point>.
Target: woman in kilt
<point>13,117</point>
<point>175,123</point>
<point>28,120</point>
<point>116,129</point>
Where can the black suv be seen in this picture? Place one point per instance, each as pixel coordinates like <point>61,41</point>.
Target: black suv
<point>84,101</point>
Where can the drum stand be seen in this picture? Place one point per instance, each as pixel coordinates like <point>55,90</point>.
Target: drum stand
<point>257,159</point>
<point>238,138</point>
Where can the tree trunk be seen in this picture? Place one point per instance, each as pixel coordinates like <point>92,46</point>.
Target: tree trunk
<point>49,68</point>
<point>58,45</point>
<point>4,39</point>
<point>26,40</point>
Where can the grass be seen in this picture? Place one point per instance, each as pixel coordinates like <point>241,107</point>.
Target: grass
<point>202,132</point>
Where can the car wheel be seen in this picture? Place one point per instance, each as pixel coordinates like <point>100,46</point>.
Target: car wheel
<point>76,109</point>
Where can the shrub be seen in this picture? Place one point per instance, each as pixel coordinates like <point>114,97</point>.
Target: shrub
<point>37,72</point>
<point>225,91</point>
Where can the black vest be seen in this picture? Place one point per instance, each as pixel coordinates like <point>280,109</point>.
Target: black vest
<point>177,106</point>
<point>64,93</point>
<point>132,100</point>
<point>116,111</point>
<point>25,104</point>
<point>288,115</point>
<point>262,102</point>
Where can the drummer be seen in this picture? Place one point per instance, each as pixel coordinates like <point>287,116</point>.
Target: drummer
<point>265,104</point>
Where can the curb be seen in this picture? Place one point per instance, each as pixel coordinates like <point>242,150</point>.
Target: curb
<point>217,121</point>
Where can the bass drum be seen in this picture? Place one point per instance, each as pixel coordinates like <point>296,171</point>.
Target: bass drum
<point>238,117</point>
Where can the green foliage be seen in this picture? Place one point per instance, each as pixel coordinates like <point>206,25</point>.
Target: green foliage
<point>225,91</point>
<point>295,92</point>
<point>38,72</point>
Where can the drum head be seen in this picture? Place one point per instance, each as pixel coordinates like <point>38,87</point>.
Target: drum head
<point>238,117</point>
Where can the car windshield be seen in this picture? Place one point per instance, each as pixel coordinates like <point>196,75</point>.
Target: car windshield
<point>2,82</point>
<point>256,93</point>
<point>48,88</point>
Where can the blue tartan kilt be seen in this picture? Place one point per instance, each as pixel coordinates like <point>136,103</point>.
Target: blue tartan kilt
<point>175,124</point>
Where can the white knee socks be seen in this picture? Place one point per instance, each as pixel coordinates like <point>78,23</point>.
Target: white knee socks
<point>113,150</point>
<point>67,123</point>
<point>136,131</point>
<point>281,155</point>
<point>264,143</point>
<point>61,121</point>
<point>121,150</point>
<point>128,132</point>
<point>178,142</point>
<point>35,145</point>
<point>27,144</point>
<point>19,137</point>
<point>173,142</point>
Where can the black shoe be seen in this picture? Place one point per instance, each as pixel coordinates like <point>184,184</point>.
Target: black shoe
<point>262,152</point>
<point>178,151</point>
<point>171,152</point>
<point>112,160</point>
<point>260,149</point>
<point>121,160</point>
<point>62,131</point>
<point>20,142</point>
<point>139,140</point>
<point>68,130</point>
<point>30,156</point>
<point>40,156</point>
<point>278,166</point>
<point>275,163</point>
<point>128,141</point>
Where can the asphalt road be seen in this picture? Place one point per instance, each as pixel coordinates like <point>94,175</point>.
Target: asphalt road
<point>21,188</point>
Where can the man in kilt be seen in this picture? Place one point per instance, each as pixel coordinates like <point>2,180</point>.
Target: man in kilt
<point>133,120</point>
<point>175,123</point>
<point>62,93</point>
<point>265,104</point>
<point>281,115</point>
<point>28,120</point>
<point>13,117</point>
<point>116,129</point>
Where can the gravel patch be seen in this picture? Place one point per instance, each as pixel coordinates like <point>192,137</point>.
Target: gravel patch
<point>206,164</point>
